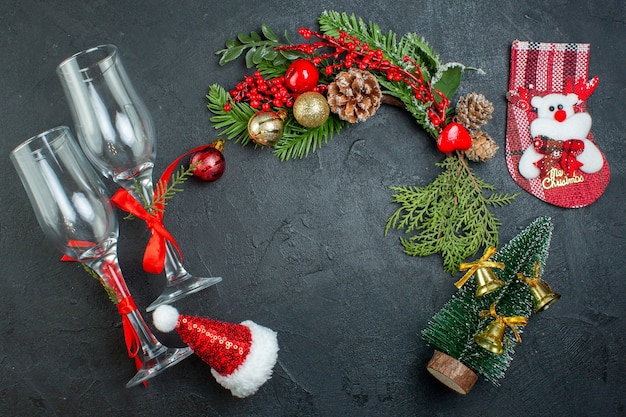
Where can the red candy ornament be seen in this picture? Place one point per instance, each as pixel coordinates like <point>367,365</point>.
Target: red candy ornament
<point>209,163</point>
<point>301,76</point>
<point>454,137</point>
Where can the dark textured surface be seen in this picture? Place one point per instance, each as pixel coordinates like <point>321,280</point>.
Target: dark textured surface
<point>300,244</point>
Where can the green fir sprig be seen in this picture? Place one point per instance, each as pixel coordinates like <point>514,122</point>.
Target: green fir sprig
<point>444,78</point>
<point>234,122</point>
<point>452,329</point>
<point>449,216</point>
<point>109,290</point>
<point>164,190</point>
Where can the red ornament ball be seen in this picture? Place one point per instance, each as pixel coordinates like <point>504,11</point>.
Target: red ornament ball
<point>209,163</point>
<point>301,76</point>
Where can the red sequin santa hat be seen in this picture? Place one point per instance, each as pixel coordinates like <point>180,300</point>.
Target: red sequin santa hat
<point>241,356</point>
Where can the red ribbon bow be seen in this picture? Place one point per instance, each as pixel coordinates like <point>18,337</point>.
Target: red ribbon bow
<point>562,153</point>
<point>154,255</point>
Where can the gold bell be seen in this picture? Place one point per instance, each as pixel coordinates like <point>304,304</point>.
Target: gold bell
<point>487,281</point>
<point>491,339</point>
<point>542,294</point>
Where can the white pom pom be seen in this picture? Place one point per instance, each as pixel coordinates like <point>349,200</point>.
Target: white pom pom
<point>165,318</point>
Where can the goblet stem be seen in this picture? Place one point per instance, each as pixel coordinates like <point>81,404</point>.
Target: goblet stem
<point>150,355</point>
<point>180,283</point>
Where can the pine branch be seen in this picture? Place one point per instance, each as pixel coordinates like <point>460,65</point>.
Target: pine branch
<point>445,79</point>
<point>453,328</point>
<point>165,192</point>
<point>298,142</point>
<point>234,123</point>
<point>332,23</point>
<point>449,216</point>
<point>110,291</point>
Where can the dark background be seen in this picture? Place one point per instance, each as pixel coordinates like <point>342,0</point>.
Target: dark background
<point>300,244</point>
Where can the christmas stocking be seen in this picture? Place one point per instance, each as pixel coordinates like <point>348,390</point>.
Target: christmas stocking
<point>550,150</point>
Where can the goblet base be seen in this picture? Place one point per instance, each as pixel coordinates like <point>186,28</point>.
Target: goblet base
<point>181,287</point>
<point>154,366</point>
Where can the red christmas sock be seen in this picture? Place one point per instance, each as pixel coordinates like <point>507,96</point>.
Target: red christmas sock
<point>550,150</point>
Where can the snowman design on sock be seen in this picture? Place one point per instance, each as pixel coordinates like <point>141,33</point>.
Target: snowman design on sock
<point>560,133</point>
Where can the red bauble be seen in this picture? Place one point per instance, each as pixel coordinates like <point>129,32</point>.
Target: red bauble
<point>209,163</point>
<point>454,137</point>
<point>301,76</point>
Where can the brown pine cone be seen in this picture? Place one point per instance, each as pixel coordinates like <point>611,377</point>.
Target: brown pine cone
<point>354,95</point>
<point>483,147</point>
<point>473,110</point>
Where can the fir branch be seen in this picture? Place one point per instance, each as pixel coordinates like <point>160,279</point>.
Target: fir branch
<point>444,79</point>
<point>449,216</point>
<point>332,23</point>
<point>109,290</point>
<point>298,141</point>
<point>234,123</point>
<point>165,192</point>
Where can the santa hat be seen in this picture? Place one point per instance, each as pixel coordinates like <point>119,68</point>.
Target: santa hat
<point>241,356</point>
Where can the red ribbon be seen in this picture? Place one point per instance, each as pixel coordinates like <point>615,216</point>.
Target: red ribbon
<point>76,244</point>
<point>154,255</point>
<point>124,306</point>
<point>563,153</point>
<point>133,344</point>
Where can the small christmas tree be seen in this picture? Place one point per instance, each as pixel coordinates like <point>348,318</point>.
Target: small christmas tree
<point>514,289</point>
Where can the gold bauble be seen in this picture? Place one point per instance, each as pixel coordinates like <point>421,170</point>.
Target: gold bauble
<point>266,127</point>
<point>311,109</point>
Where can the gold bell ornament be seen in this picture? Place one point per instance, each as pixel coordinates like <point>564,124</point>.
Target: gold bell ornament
<point>492,338</point>
<point>542,294</point>
<point>486,279</point>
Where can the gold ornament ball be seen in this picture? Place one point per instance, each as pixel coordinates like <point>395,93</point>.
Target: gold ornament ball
<point>311,109</point>
<point>266,127</point>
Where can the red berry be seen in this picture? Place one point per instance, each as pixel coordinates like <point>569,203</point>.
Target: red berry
<point>209,164</point>
<point>301,76</point>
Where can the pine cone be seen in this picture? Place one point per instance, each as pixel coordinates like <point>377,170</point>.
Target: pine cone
<point>473,111</point>
<point>483,147</point>
<point>354,95</point>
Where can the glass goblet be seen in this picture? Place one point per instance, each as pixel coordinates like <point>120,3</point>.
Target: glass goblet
<point>74,211</point>
<point>117,134</point>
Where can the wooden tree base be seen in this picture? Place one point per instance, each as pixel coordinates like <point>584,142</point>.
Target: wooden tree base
<point>451,372</point>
